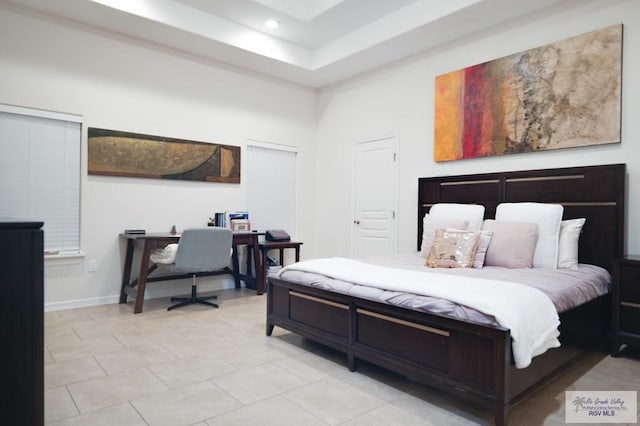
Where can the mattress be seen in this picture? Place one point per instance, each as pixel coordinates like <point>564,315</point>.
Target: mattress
<point>566,288</point>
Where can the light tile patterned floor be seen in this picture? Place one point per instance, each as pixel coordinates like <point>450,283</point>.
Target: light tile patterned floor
<point>203,366</point>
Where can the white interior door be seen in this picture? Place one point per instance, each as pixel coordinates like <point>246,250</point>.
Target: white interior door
<point>374,194</point>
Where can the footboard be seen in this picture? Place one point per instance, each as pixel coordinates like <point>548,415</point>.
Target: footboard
<point>465,359</point>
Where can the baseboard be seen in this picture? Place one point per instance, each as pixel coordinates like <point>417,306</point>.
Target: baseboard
<point>80,303</point>
<point>152,293</point>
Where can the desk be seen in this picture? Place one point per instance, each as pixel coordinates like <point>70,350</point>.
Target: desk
<point>265,246</point>
<point>249,239</point>
<point>152,241</point>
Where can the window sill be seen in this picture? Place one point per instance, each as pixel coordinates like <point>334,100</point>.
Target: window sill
<point>64,257</point>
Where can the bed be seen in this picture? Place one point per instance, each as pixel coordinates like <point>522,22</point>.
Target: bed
<point>466,358</point>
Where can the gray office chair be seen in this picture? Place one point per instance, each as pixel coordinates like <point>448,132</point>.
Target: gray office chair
<point>202,250</point>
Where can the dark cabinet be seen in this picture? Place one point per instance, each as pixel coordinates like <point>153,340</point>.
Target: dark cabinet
<point>626,303</point>
<point>22,323</point>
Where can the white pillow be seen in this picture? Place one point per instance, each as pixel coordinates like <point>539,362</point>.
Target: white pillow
<point>429,226</point>
<point>165,256</point>
<point>472,213</point>
<point>568,243</point>
<point>547,217</point>
<point>481,250</point>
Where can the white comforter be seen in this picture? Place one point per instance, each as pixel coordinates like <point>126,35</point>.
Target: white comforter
<point>527,312</point>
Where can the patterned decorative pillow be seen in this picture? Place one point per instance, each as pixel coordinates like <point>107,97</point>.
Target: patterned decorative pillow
<point>453,248</point>
<point>430,224</point>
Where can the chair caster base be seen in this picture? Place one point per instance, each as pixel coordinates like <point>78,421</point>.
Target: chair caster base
<point>184,301</point>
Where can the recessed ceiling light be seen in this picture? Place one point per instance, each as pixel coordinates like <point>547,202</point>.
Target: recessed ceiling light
<point>272,23</point>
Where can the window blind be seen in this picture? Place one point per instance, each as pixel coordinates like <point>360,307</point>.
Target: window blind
<point>271,188</point>
<point>40,173</point>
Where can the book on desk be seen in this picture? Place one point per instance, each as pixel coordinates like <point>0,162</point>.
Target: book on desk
<point>135,231</point>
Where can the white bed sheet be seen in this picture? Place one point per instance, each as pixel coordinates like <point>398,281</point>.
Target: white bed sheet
<point>566,288</point>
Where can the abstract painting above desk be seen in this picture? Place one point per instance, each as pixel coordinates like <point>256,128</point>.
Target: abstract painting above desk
<point>115,153</point>
<point>561,95</point>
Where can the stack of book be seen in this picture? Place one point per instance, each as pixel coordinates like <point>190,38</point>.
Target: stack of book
<point>237,221</point>
<point>220,219</point>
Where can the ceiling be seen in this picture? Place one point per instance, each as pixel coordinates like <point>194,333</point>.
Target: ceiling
<point>317,43</point>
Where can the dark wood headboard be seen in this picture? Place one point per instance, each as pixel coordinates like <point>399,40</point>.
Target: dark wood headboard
<point>596,193</point>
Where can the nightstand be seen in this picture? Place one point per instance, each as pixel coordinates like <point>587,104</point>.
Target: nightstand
<point>626,303</point>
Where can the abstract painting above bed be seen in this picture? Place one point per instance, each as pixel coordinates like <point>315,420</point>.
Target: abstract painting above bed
<point>561,95</point>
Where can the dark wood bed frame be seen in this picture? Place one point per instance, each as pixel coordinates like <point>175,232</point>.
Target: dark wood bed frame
<point>462,358</point>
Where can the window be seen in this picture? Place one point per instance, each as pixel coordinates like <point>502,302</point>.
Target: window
<point>271,187</point>
<point>40,173</point>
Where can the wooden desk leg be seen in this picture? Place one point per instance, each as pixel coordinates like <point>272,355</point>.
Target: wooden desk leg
<point>126,272</point>
<point>249,261</point>
<point>297,253</point>
<point>236,266</point>
<point>142,278</point>
<point>281,257</point>
<point>260,266</point>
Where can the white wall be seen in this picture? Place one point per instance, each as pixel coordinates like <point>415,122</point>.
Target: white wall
<point>400,99</point>
<point>120,83</point>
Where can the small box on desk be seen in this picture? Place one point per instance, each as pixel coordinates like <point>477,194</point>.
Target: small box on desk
<point>240,225</point>
<point>134,231</point>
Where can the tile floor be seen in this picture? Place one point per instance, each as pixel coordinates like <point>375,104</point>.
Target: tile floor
<point>202,366</point>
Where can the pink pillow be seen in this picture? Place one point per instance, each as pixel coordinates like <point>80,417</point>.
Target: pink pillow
<point>547,217</point>
<point>512,244</point>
